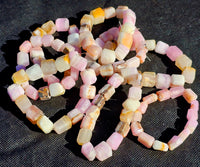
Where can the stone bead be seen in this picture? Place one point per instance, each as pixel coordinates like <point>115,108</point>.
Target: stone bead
<point>177,80</point>
<point>114,140</point>
<point>128,27</point>
<point>66,48</point>
<point>191,125</point>
<point>130,104</point>
<point>49,27</point>
<point>31,92</point>
<point>115,80</point>
<point>62,63</point>
<point>174,142</point>
<point>19,67</point>
<point>52,79</point>
<point>74,73</point>
<point>122,128</point>
<point>150,98</point>
<point>15,91</point>
<point>98,15</point>
<point>94,52</point>
<point>133,62</point>
<point>109,12</point>
<point>56,89</point>
<point>146,139</point>
<point>73,39</point>
<point>83,105</point>
<point>88,44</point>
<point>135,93</point>
<point>176,91</point>
<point>137,116</point>
<point>73,29</point>
<point>163,94</point>
<point>129,17</point>
<point>118,65</point>
<point>107,91</point>
<point>129,73</point>
<point>88,151</point>
<point>87,91</point>
<point>39,32</point>
<point>95,66</point>
<point>23,103</point>
<point>189,74</point>
<point>44,93</point>
<point>48,67</point>
<point>57,44</point>
<point>45,124</point>
<point>138,40</point>
<point>184,134</point>
<point>126,116</point>
<point>62,24</point>
<point>75,115</point>
<point>23,59</point>
<point>34,72</point>
<point>135,81</point>
<point>36,52</point>
<point>93,111</point>
<point>189,95</point>
<point>114,32</point>
<point>163,81</point>
<point>77,61</point>
<point>143,107</point>
<point>183,61</point>
<point>136,128</point>
<point>36,41</point>
<point>68,82</point>
<point>161,146</point>
<point>106,70</point>
<point>161,47</point>
<point>110,45</point>
<point>99,42</point>
<point>148,79</point>
<point>20,76</point>
<point>107,56</point>
<point>150,44</point>
<point>141,54</point>
<point>25,47</point>
<point>84,136</point>
<point>125,39</point>
<point>99,101</point>
<point>173,52</point>
<point>88,76</point>
<point>33,113</point>
<point>195,105</point>
<point>103,151</point>
<point>87,20</point>
<point>62,125</point>
<point>192,114</point>
<point>47,40</point>
<point>88,123</point>
<point>120,10</point>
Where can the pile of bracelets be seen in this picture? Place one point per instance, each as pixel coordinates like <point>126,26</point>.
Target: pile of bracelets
<point>104,56</point>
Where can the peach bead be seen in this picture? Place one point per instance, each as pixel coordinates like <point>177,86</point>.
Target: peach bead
<point>87,91</point>
<point>133,62</point>
<point>49,27</point>
<point>62,125</point>
<point>137,116</point>
<point>192,114</point>
<point>150,98</point>
<point>87,20</point>
<point>25,47</point>
<point>143,107</point>
<point>57,44</point>
<point>45,124</point>
<point>114,140</point>
<point>23,103</point>
<point>75,115</point>
<point>135,93</point>
<point>148,79</point>
<point>146,139</point>
<point>36,41</point>
<point>121,52</point>
<point>33,113</point>
<point>138,39</point>
<point>39,32</point>
<point>189,95</point>
<point>173,52</point>
<point>130,104</point>
<point>93,111</point>
<point>109,12</point>
<point>47,40</point>
<point>36,52</point>
<point>184,134</point>
<point>163,94</point>
<point>136,128</point>
<point>88,123</point>
<point>176,91</point>
<point>125,39</point>
<point>94,52</point>
<point>191,125</point>
<point>183,61</point>
<point>62,24</point>
<point>195,105</point>
<point>174,142</point>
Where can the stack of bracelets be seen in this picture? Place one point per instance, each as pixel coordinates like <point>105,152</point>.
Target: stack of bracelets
<point>104,56</point>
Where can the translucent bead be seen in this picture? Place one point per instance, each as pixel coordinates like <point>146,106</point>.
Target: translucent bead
<point>93,111</point>
<point>105,59</point>
<point>73,39</point>
<point>174,142</point>
<point>87,20</point>
<point>150,98</point>
<point>120,10</point>
<point>106,70</point>
<point>99,101</point>
<point>158,145</point>
<point>121,52</point>
<point>56,89</point>
<point>98,15</point>
<point>31,92</point>
<point>77,61</point>
<point>125,39</point>
<point>48,67</point>
<point>143,107</point>
<point>87,91</point>
<point>37,52</point>
<point>57,44</point>
<point>20,77</point>
<point>45,124</point>
<point>114,140</point>
<point>163,94</point>
<point>83,105</point>
<point>133,62</point>
<point>184,134</point>
<point>49,27</point>
<point>15,91</point>
<point>146,139</point>
<point>73,29</point>
<point>189,74</point>
<point>88,123</point>
<point>126,116</point>
<point>110,45</point>
<point>99,42</point>
<point>177,80</point>
<point>88,76</point>
<point>189,95</point>
<point>176,91</point>
<point>88,151</point>
<point>137,116</point>
<point>75,115</point>
<point>47,40</point>
<point>103,151</point>
<point>148,79</point>
<point>68,82</point>
<point>109,12</point>
<point>136,128</point>
<point>62,63</point>
<point>25,47</point>
<point>19,67</point>
<point>122,128</point>
<point>84,136</point>
<point>114,31</point>
<point>161,47</point>
<point>150,44</point>
<point>183,61</point>
<point>52,79</point>
<point>129,73</point>
<point>107,91</point>
<point>23,59</point>
<point>130,104</point>
<point>74,73</point>
<point>173,52</point>
<point>142,55</point>
<point>33,113</point>
<point>66,48</point>
<point>138,40</point>
<point>127,27</point>
<point>62,125</point>
<point>95,66</point>
<point>195,105</point>
<point>36,41</point>
<point>39,32</point>
<point>115,80</point>
<point>62,24</point>
<point>163,81</point>
<point>191,125</point>
<point>129,17</point>
<point>87,42</point>
<point>44,93</point>
<point>192,114</point>
<point>23,103</point>
<point>135,93</point>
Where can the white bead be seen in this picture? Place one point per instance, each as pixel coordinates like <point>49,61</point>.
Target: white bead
<point>56,89</point>
<point>34,72</point>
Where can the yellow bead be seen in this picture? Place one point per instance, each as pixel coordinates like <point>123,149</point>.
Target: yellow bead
<point>148,79</point>
<point>126,115</point>
<point>183,61</point>
<point>45,124</point>
<point>20,77</point>
<point>189,74</point>
<point>49,27</point>
<point>99,15</point>
<point>39,32</point>
<point>84,136</point>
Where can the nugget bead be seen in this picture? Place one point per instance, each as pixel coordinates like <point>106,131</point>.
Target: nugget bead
<point>121,52</point>
<point>189,95</point>
<point>109,12</point>
<point>115,80</point>
<point>87,91</point>
<point>163,94</point>
<point>25,47</point>
<point>107,91</point>
<point>62,24</point>
<point>88,151</point>
<point>163,81</point>
<point>103,151</point>
<point>62,125</point>
<point>77,61</point>
<point>75,115</point>
<point>173,52</point>
<point>88,123</point>
<point>44,93</point>
<point>146,139</point>
<point>68,82</point>
<point>98,15</point>
<point>31,92</point>
<point>136,128</point>
<point>130,104</point>
<point>36,41</point>
<point>33,113</point>
<point>174,142</point>
<point>161,47</point>
<point>88,76</point>
<point>120,10</point>
<point>191,125</point>
<point>114,140</point>
<point>45,124</point>
<point>84,136</point>
<point>177,80</point>
<point>137,116</point>
<point>106,70</point>
<point>94,52</point>
<point>122,128</point>
<point>48,67</point>
<point>148,79</point>
<point>83,105</point>
<point>150,98</point>
<point>15,91</point>
<point>57,44</point>
<point>135,93</point>
<point>49,27</point>
<point>23,59</point>
<point>183,61</point>
<point>158,145</point>
<point>184,134</point>
<point>150,44</point>
<point>20,77</point>
<point>99,101</point>
<point>189,74</point>
<point>62,63</point>
<point>56,89</point>
<point>126,115</point>
<point>93,111</point>
<point>192,115</point>
<point>23,103</point>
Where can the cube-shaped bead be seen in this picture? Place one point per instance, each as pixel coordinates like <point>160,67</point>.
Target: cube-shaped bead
<point>39,32</point>
<point>94,52</point>
<point>20,77</point>
<point>107,56</point>
<point>34,72</point>
<point>103,151</point>
<point>137,116</point>
<point>174,142</point>
<point>125,39</point>
<point>177,80</point>
<point>109,12</point>
<point>73,29</point>
<point>62,63</point>
<point>99,42</point>
<point>173,52</point>
<point>93,111</point>
<point>73,39</point>
<point>106,36</point>
<point>114,140</point>
<point>25,47</point>
<point>68,82</point>
<point>192,114</point>
<point>66,48</point>
<point>87,20</point>
<point>135,93</point>
<point>47,40</point>
<point>161,47</point>
<point>33,113</point>
<point>48,67</point>
<point>122,128</point>
<point>52,79</point>
<point>83,105</point>
<point>45,124</point>
<point>163,81</point>
<point>129,73</point>
<point>106,70</point>
<point>118,65</point>
<point>62,24</point>
<point>99,101</point>
<point>130,104</point>
<point>146,139</point>
<point>15,91</point>
<point>189,74</point>
<point>126,115</point>
<point>88,123</point>
<point>88,76</point>
<point>62,125</point>
<point>116,80</point>
<point>163,94</point>
<point>87,91</point>
<point>138,40</point>
<point>141,54</point>
<point>107,91</point>
<point>143,107</point>
<point>195,105</point>
<point>136,128</point>
<point>133,62</point>
<point>98,15</point>
<point>23,59</point>
<point>120,10</point>
<point>88,42</point>
<point>121,52</point>
<point>84,136</point>
<point>44,93</point>
<point>49,27</point>
<point>56,89</point>
<point>129,17</point>
<point>150,98</point>
<point>189,95</point>
<point>88,151</point>
<point>36,41</point>
<point>148,79</point>
<point>161,146</point>
<point>150,44</point>
<point>23,103</point>
<point>75,115</point>
<point>176,91</point>
<point>183,61</point>
<point>19,67</point>
<point>57,44</point>
<point>31,92</point>
<point>95,66</point>
<point>77,61</point>
<point>36,52</point>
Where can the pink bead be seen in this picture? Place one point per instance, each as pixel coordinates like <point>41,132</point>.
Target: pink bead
<point>189,95</point>
<point>52,79</point>
<point>114,140</point>
<point>83,105</point>
<point>135,93</point>
<point>163,94</point>
<point>137,116</point>
<point>88,151</point>
<point>143,107</point>
<point>150,98</point>
<point>191,125</point>
<point>163,81</point>
<point>138,39</point>
<point>106,36</point>
<point>133,62</point>
<point>74,73</point>
<point>68,82</point>
<point>77,61</point>
<point>36,41</point>
<point>25,47</point>
<point>47,40</point>
<point>57,45</point>
<point>184,134</point>
<point>136,128</point>
<point>161,47</point>
<point>116,80</point>
<point>14,91</point>
<point>121,52</point>
<point>114,31</point>
<point>103,151</point>
<point>31,92</point>
<point>129,16</point>
<point>173,52</point>
<point>146,139</point>
<point>174,142</point>
<point>23,59</point>
<point>99,42</point>
<point>37,52</point>
<point>88,76</point>
<point>176,91</point>
<point>192,115</point>
<point>62,24</point>
<point>195,105</point>
<point>87,91</point>
<point>73,29</point>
